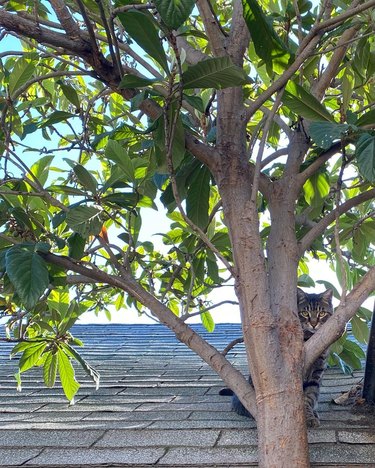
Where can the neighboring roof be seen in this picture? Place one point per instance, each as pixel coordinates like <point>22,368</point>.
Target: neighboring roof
<point>158,404</point>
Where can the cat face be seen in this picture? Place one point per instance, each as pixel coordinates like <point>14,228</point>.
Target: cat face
<point>314,310</point>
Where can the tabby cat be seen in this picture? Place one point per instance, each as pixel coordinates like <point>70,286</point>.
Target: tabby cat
<point>313,311</point>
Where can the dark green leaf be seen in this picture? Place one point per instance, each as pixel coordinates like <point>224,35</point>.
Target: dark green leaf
<point>268,46</point>
<point>84,220</point>
<point>56,117</point>
<point>65,189</point>
<point>325,133</point>
<point>28,273</point>
<point>85,178</point>
<point>70,93</point>
<point>218,73</point>
<point>76,246</point>
<point>303,103</point>
<point>174,12</point>
<point>365,153</point>
<point>124,200</point>
<point>366,119</point>
<point>141,28</point>
<point>360,329</point>
<point>117,153</point>
<point>197,200</point>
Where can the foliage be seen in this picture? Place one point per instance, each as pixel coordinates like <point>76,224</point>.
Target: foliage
<point>86,156</point>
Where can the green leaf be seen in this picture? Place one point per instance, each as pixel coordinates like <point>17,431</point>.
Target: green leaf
<point>268,46</point>
<point>56,117</point>
<point>174,12</point>
<point>65,189</point>
<point>85,178</point>
<point>132,81</point>
<point>76,246</point>
<point>218,73</point>
<point>141,28</point>
<point>22,72</point>
<point>40,168</point>
<point>28,273</point>
<point>50,369</point>
<point>366,119</point>
<point>117,153</point>
<point>208,321</point>
<point>84,220</point>
<point>365,153</point>
<point>70,93</point>
<point>325,133</point>
<point>59,299</point>
<point>316,188</point>
<point>124,200</point>
<point>67,377</point>
<point>90,371</point>
<point>197,200</point>
<point>301,102</point>
<point>31,355</point>
<point>360,329</point>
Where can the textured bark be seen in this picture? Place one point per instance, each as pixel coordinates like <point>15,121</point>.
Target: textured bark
<point>369,382</point>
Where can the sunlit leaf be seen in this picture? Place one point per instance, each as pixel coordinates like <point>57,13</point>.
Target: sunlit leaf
<point>84,220</point>
<point>22,71</point>
<point>67,377</point>
<point>50,369</point>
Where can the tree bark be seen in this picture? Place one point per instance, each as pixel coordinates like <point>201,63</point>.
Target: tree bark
<point>369,382</point>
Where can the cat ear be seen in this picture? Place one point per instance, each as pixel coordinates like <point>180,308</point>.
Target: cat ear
<point>301,295</point>
<point>327,295</point>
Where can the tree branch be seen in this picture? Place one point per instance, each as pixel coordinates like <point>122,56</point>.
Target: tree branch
<point>231,376</point>
<point>66,19</point>
<point>212,28</point>
<point>335,325</point>
<point>322,225</point>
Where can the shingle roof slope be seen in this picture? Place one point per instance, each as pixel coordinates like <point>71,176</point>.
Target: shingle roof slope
<point>158,404</point>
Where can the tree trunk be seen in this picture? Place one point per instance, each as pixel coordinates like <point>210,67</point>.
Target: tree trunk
<point>369,382</point>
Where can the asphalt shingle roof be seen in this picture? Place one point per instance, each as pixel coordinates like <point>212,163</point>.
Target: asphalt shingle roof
<point>158,404</point>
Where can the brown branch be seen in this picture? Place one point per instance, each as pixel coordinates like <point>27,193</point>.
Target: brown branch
<point>239,34</point>
<point>31,29</point>
<point>322,225</point>
<point>231,345</point>
<point>314,166</point>
<point>212,27</point>
<point>334,62</point>
<point>183,332</point>
<point>335,325</point>
<point>66,19</point>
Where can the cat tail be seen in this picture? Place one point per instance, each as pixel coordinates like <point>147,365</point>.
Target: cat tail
<point>226,392</point>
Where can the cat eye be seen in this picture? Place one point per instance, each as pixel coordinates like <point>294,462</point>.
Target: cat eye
<point>322,313</point>
<point>304,313</point>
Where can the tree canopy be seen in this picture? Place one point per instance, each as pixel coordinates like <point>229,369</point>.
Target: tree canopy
<point>252,122</point>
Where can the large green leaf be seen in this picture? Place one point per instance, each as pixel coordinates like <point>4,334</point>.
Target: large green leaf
<point>117,153</point>
<point>84,220</point>
<point>325,133</point>
<point>31,355</point>
<point>67,377</point>
<point>316,188</point>
<point>303,103</point>
<point>198,195</point>
<point>28,273</point>
<point>90,371</point>
<point>268,46</point>
<point>141,28</point>
<point>365,153</point>
<point>70,93</point>
<point>50,369</point>
<point>366,119</point>
<point>174,12</point>
<point>22,72</point>
<point>40,168</point>
<point>56,117</point>
<point>85,178</point>
<point>218,73</point>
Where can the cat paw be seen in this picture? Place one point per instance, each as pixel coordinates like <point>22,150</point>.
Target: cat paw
<point>312,418</point>
<point>313,422</point>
